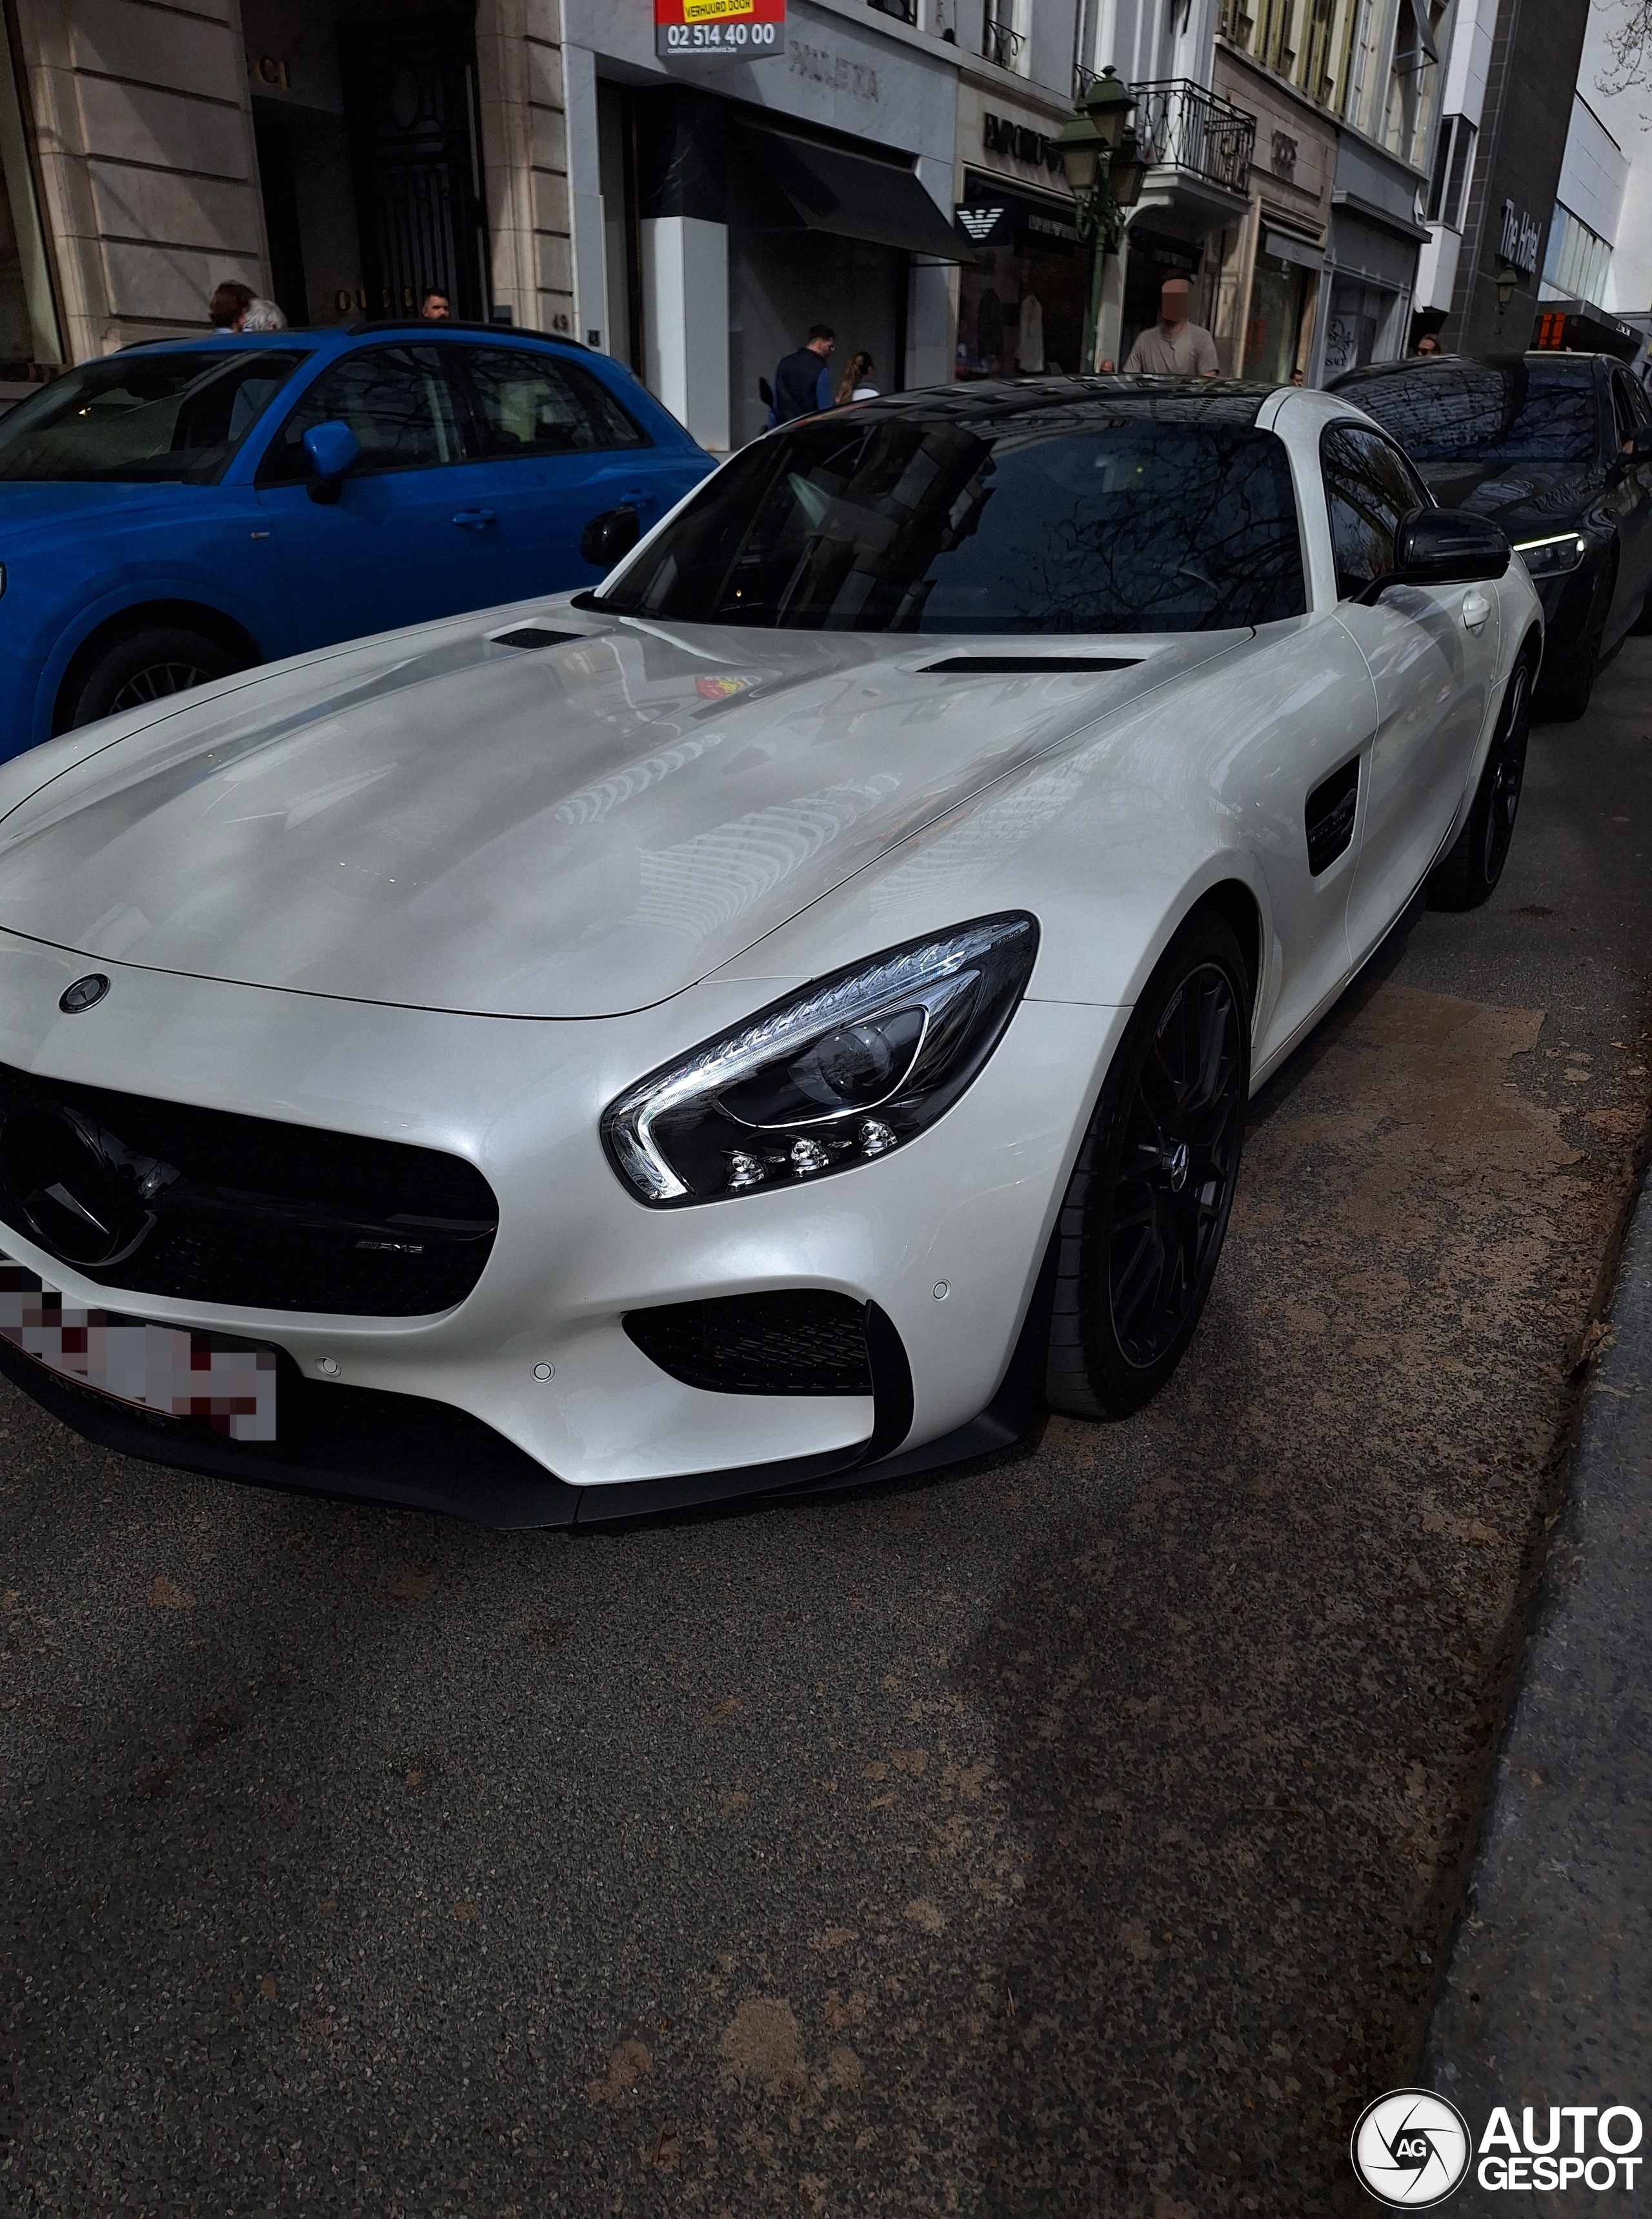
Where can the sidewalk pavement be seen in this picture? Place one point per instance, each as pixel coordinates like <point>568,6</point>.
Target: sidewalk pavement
<point>1547,1996</point>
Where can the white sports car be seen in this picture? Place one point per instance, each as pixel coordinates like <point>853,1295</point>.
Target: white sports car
<point>783,1018</point>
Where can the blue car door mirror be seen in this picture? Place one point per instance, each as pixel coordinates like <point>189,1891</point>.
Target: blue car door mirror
<point>334,450</point>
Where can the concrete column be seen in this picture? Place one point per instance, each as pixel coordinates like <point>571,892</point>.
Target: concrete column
<point>585,196</point>
<point>685,322</point>
<point>1109,323</point>
<point>932,294</point>
<point>504,98</point>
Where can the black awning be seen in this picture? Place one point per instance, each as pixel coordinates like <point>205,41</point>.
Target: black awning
<point>855,198</point>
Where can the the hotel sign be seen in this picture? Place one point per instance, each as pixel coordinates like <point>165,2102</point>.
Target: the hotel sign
<point>736,30</point>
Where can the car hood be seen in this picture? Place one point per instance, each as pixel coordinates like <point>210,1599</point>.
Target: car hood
<point>1524,502</point>
<point>572,830</point>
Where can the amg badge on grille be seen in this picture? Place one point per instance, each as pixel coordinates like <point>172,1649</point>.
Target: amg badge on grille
<point>85,994</point>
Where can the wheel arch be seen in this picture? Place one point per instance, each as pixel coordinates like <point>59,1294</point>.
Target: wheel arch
<point>141,616</point>
<point>1232,901</point>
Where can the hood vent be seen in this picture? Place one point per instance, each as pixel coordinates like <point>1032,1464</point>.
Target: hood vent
<point>532,635</point>
<point>1027,666</point>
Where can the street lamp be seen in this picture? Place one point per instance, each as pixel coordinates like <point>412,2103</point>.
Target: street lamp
<point>1104,169</point>
<point>1507,280</point>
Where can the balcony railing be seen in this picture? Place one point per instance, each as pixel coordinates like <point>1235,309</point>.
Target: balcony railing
<point>1000,44</point>
<point>904,11</point>
<point>1179,122</point>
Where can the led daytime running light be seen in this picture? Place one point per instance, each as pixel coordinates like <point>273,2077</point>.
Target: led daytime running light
<point>962,985</point>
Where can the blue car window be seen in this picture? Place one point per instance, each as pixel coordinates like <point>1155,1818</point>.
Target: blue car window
<point>178,416</point>
<point>396,400</point>
<point>537,404</point>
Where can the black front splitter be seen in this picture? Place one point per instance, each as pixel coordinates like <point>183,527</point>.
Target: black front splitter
<point>364,1445</point>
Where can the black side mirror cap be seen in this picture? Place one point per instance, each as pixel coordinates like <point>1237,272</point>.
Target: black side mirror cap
<point>1442,547</point>
<point>611,535</point>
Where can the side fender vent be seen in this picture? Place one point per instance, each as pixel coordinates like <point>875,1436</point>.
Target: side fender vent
<point>1330,815</point>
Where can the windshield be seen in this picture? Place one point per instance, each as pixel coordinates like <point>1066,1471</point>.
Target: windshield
<point>144,416</point>
<point>1086,521</point>
<point>1469,412</point>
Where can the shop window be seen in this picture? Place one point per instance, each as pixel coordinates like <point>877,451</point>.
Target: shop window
<point>1271,336</point>
<point>1354,325</point>
<point>1021,303</point>
<point>28,322</point>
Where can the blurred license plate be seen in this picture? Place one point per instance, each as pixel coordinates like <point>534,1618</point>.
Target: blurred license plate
<point>164,1368</point>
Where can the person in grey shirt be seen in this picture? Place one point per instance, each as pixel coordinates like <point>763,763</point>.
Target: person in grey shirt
<point>1174,347</point>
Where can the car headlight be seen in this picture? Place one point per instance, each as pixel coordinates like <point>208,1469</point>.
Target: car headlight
<point>838,1073</point>
<point>1552,557</point>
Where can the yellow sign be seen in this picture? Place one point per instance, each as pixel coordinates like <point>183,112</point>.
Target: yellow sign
<point>715,11</point>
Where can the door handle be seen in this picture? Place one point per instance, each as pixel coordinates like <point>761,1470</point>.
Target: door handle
<point>475,519</point>
<point>641,497</point>
<point>1476,609</point>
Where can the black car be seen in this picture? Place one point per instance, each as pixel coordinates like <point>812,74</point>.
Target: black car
<point>1557,449</point>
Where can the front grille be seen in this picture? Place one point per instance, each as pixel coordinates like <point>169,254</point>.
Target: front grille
<point>212,1207</point>
<point>796,1341</point>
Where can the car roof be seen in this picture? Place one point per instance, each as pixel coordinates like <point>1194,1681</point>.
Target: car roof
<point>1374,373</point>
<point>1003,400</point>
<point>317,336</point>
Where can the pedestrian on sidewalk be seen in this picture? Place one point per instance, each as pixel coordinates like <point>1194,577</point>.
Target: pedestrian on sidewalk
<point>435,307</point>
<point>1173,347</point>
<point>263,315</point>
<point>229,305</point>
<point>857,380</point>
<point>803,385</point>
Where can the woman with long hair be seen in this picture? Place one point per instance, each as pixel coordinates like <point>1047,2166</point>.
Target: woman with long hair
<point>857,380</point>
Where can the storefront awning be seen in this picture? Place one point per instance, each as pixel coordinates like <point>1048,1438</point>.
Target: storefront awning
<point>855,198</point>
<point>1291,246</point>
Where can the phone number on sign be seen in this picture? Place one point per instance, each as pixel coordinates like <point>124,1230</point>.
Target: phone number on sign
<point>719,38</point>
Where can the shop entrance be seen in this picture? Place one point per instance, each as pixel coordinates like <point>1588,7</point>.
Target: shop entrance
<point>369,155</point>
<point>1021,302</point>
<point>1153,257</point>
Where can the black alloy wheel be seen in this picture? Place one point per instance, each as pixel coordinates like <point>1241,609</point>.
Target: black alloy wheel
<point>1471,869</point>
<point>1146,1209</point>
<point>144,665</point>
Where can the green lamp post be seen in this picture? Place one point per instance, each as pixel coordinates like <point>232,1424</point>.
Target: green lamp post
<point>1104,167</point>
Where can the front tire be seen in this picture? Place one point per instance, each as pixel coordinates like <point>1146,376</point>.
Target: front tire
<point>1146,1208</point>
<point>1470,871</point>
<point>146,665</point>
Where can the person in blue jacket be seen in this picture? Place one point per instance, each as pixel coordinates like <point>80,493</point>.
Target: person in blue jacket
<point>803,385</point>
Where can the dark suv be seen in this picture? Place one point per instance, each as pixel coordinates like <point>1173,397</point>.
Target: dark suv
<point>1557,448</point>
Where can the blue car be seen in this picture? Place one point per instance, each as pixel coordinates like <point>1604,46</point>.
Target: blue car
<point>181,510</point>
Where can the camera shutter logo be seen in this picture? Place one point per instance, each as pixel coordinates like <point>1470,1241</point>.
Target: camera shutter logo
<point>1410,2148</point>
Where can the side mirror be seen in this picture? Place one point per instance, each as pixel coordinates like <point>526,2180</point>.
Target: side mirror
<point>1442,547</point>
<point>334,450</point>
<point>611,535</point>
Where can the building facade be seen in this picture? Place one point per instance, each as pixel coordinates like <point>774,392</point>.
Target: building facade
<point>1521,64</point>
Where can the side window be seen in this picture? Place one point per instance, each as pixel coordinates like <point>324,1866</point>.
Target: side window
<point>1369,486</point>
<point>1628,407</point>
<point>396,400</point>
<point>537,404</point>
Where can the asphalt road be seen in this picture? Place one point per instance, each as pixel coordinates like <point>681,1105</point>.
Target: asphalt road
<point>1078,1833</point>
